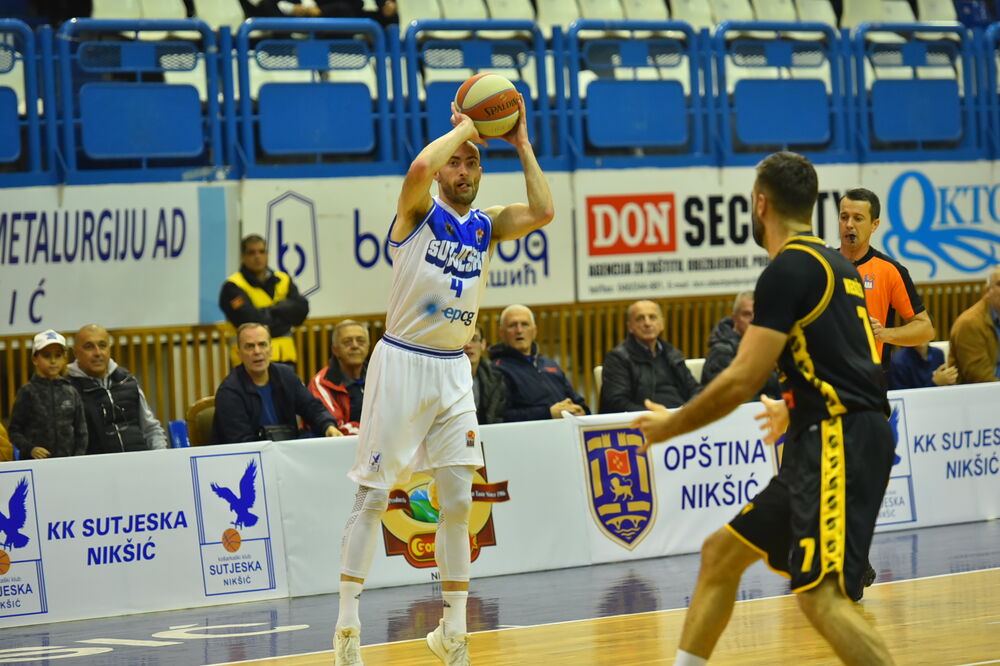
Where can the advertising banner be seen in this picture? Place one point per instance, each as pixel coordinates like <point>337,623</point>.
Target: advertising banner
<point>331,236</point>
<point>102,535</point>
<point>669,499</point>
<point>254,521</point>
<point>683,232</point>
<point>119,255</point>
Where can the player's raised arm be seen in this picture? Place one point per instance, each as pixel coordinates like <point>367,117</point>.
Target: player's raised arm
<point>520,219</point>
<point>415,196</point>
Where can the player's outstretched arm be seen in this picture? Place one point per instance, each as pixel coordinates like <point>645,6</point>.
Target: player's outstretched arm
<point>520,219</point>
<point>415,194</point>
<point>758,353</point>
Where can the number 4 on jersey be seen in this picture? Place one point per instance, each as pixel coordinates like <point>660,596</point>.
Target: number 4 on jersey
<point>456,285</point>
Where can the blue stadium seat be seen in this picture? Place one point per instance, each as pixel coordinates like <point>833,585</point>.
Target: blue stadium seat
<point>10,126</point>
<point>800,104</point>
<point>636,100</point>
<point>25,157</point>
<point>895,119</point>
<point>121,121</point>
<point>300,118</point>
<point>313,98</point>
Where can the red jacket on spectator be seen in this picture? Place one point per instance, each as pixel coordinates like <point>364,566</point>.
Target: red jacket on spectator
<point>330,386</point>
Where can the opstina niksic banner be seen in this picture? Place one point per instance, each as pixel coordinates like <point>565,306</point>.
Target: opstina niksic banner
<point>118,255</point>
<point>674,232</point>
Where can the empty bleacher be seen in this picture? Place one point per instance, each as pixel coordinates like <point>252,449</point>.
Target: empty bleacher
<point>608,82</point>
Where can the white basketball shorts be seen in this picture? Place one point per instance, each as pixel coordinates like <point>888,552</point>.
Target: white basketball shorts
<point>418,414</point>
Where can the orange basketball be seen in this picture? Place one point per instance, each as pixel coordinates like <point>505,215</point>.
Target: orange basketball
<point>231,540</point>
<point>491,101</point>
<point>4,562</point>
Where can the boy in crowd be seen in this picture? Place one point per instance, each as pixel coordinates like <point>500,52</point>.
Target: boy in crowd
<point>47,419</point>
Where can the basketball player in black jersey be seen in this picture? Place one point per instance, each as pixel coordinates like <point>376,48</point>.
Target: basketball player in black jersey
<point>814,521</point>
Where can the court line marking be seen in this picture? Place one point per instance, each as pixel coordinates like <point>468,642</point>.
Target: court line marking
<point>592,619</point>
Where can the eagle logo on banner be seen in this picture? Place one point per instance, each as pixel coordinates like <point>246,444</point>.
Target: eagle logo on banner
<point>622,498</point>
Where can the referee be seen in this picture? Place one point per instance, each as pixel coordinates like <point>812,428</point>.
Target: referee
<point>814,521</point>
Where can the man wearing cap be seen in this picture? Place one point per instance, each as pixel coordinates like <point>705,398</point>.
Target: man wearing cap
<point>118,416</point>
<point>47,420</point>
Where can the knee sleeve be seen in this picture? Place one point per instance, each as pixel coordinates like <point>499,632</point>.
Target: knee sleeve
<point>358,545</point>
<point>452,550</point>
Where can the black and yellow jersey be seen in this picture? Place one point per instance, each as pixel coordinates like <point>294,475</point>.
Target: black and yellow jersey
<point>830,364</point>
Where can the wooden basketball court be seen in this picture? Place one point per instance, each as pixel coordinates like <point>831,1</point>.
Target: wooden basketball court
<point>949,619</point>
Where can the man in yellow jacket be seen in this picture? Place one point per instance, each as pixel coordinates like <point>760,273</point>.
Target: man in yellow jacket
<point>257,294</point>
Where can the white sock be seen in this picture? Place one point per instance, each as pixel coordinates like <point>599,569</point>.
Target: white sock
<point>454,612</point>
<point>687,659</point>
<point>350,600</point>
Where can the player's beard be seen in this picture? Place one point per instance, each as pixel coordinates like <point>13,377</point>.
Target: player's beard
<point>758,229</point>
<point>458,196</point>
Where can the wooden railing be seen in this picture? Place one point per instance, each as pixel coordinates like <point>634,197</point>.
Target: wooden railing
<point>180,364</point>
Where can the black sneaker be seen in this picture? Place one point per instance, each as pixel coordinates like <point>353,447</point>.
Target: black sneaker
<point>869,576</point>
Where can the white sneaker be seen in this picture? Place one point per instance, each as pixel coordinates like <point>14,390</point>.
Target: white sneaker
<point>451,650</point>
<point>347,647</point>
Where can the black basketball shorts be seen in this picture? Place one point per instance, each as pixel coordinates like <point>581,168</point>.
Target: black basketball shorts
<point>817,516</point>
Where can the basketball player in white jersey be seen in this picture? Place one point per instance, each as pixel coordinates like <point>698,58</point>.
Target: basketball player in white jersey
<point>419,413</point>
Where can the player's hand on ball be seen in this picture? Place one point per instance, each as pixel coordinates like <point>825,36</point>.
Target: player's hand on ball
<point>457,118</point>
<point>775,417</point>
<point>331,431</point>
<point>653,424</point>
<point>518,134</point>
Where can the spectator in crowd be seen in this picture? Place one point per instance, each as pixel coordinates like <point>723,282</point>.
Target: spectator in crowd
<point>489,389</point>
<point>260,400</point>
<point>47,419</point>
<point>118,416</point>
<point>257,294</point>
<point>920,366</point>
<point>6,448</point>
<point>387,12</point>
<point>888,288</point>
<point>537,388</point>
<point>340,386</point>
<point>644,366</point>
<point>304,8</point>
<point>975,337</point>
<point>724,340</point>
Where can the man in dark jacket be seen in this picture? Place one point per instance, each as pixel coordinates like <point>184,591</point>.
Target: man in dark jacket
<point>488,386</point>
<point>537,388</point>
<point>644,366</point>
<point>118,416</point>
<point>725,340</point>
<point>340,386</point>
<point>260,400</point>
<point>47,419</point>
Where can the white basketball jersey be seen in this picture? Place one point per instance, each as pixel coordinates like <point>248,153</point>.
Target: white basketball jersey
<point>438,277</point>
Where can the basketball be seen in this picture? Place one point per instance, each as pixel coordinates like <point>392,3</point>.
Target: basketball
<point>231,540</point>
<point>491,101</point>
<point>4,562</point>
